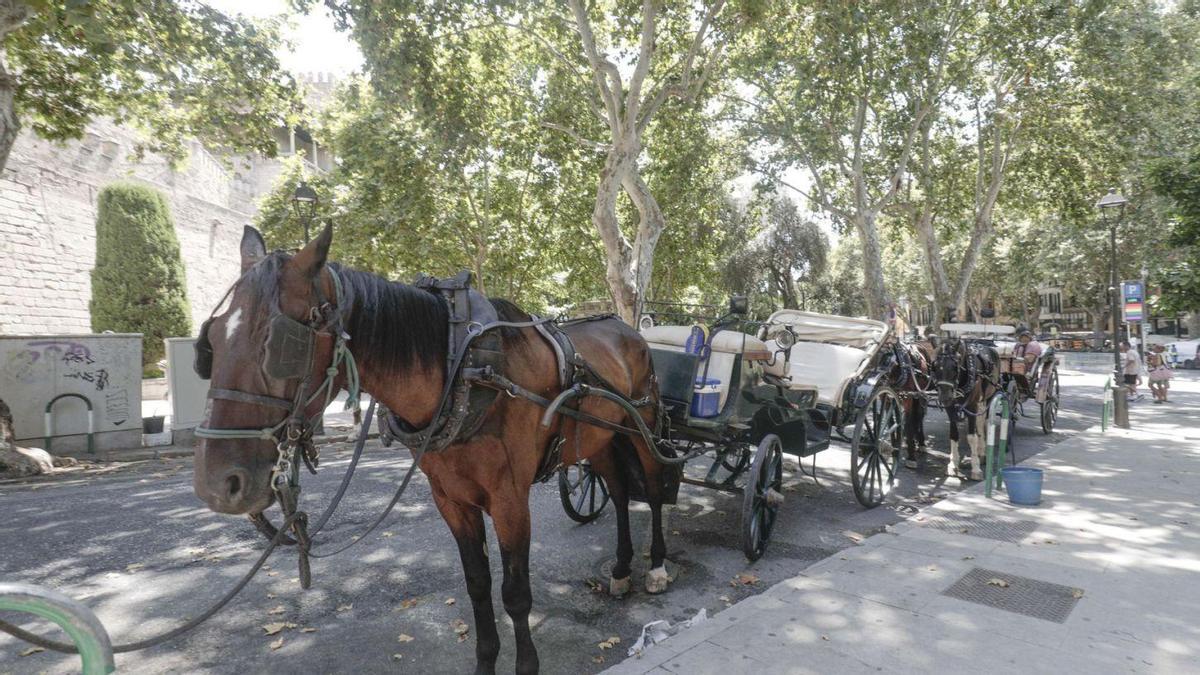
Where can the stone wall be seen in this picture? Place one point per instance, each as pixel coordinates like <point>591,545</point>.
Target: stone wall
<point>48,214</point>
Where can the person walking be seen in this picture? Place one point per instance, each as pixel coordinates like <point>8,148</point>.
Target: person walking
<point>1131,369</point>
<point>1160,375</point>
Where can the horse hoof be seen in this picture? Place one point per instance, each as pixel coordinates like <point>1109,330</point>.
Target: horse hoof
<point>657,580</point>
<point>618,588</point>
<point>910,463</point>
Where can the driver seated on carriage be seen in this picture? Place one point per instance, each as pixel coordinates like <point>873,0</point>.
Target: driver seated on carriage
<point>1026,356</point>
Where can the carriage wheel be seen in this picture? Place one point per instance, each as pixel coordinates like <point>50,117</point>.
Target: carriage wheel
<point>762,497</point>
<point>1050,405</point>
<point>582,492</point>
<point>875,449</point>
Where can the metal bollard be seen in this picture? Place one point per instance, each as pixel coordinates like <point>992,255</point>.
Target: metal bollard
<point>91,436</point>
<point>1106,412</point>
<point>85,630</point>
<point>992,475</point>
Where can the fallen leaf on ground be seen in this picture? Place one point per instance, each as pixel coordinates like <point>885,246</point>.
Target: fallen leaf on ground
<point>397,657</point>
<point>270,596</point>
<point>1077,593</point>
<point>964,530</point>
<point>32,650</point>
<point>273,573</point>
<point>134,567</point>
<point>388,534</point>
<point>825,638</point>
<point>276,644</point>
<point>266,567</point>
<point>411,602</point>
<point>597,659</point>
<point>277,610</point>
<point>853,536</point>
<point>608,644</point>
<point>345,608</point>
<point>306,629</point>
<point>273,628</point>
<point>995,581</point>
<point>461,628</point>
<point>594,585</point>
<point>405,637</point>
<point>744,579</point>
<point>450,601</point>
<point>968,557</point>
<point>675,533</point>
<point>1051,542</point>
<point>933,568</point>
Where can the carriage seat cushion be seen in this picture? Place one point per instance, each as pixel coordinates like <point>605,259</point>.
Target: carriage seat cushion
<point>724,342</point>
<point>826,366</point>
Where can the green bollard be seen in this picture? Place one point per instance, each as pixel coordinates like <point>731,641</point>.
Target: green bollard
<point>78,621</point>
<point>992,476</point>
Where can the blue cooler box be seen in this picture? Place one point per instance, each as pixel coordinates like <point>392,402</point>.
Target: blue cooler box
<point>706,401</point>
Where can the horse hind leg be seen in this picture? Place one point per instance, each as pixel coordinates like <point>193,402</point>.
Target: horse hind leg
<point>657,578</point>
<point>614,479</point>
<point>910,434</point>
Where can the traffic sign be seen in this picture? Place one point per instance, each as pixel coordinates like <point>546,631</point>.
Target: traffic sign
<point>1133,295</point>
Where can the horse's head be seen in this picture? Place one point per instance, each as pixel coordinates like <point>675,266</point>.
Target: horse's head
<point>265,354</point>
<point>947,370</point>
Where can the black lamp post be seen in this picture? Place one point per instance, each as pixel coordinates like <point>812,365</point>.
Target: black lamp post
<point>1112,208</point>
<point>304,202</point>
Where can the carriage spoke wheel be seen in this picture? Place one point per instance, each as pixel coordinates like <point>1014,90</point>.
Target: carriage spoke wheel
<point>1050,405</point>
<point>875,447</point>
<point>582,492</point>
<point>762,497</point>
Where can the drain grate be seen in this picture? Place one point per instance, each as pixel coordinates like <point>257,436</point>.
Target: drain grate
<point>1030,597</point>
<point>975,525</point>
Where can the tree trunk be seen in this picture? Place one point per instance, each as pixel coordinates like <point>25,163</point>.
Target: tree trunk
<point>619,267</point>
<point>927,235</point>
<point>873,283</point>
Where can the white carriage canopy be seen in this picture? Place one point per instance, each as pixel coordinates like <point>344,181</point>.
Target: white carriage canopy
<point>830,351</point>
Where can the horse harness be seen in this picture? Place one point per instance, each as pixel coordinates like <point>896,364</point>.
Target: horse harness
<point>475,373</point>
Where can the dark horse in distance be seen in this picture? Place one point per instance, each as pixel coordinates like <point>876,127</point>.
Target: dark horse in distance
<point>398,336</point>
<point>967,375</point>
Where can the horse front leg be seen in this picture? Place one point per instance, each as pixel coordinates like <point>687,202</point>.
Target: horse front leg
<point>910,433</point>
<point>975,440</point>
<point>952,467</point>
<point>466,524</point>
<point>511,520</point>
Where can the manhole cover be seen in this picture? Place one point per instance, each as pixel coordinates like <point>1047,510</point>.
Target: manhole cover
<point>1022,595</point>
<point>982,526</point>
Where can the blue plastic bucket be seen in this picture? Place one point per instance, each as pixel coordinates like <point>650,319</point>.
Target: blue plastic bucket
<point>1024,484</point>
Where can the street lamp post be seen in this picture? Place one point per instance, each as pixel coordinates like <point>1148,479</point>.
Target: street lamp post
<point>304,202</point>
<point>1112,208</point>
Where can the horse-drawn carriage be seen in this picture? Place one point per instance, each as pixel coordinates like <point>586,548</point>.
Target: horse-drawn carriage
<point>1021,379</point>
<point>744,392</point>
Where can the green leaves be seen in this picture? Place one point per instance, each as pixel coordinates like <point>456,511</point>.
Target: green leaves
<point>175,67</point>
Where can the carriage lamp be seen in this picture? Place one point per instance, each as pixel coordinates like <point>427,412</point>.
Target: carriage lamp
<point>304,202</point>
<point>1112,208</point>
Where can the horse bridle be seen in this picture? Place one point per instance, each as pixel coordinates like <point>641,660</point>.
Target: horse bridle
<point>289,355</point>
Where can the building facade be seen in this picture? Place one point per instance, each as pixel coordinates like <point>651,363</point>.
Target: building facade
<point>48,195</point>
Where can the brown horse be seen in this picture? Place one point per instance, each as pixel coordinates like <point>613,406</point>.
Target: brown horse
<point>966,373</point>
<point>398,335</point>
<point>910,366</point>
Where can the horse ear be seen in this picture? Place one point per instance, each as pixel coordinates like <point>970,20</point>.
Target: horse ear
<point>254,247</point>
<point>312,257</point>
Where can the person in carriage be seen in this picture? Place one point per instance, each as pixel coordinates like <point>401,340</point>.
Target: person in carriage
<point>1027,352</point>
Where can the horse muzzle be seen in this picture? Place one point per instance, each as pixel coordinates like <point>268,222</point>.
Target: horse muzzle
<point>947,393</point>
<point>233,491</point>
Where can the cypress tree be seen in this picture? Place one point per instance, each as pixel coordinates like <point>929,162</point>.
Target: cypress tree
<point>138,282</point>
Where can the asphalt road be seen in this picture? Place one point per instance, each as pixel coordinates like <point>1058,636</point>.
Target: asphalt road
<point>137,546</point>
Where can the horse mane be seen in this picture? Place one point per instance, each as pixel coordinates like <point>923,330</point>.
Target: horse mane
<point>507,310</point>
<point>394,325</point>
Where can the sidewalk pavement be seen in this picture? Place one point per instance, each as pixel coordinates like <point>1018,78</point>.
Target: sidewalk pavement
<point>1103,576</point>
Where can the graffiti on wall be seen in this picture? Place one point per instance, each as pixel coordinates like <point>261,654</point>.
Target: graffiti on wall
<point>104,368</point>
